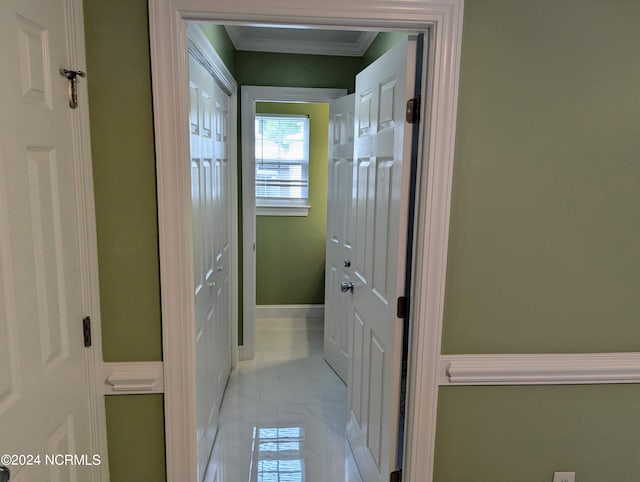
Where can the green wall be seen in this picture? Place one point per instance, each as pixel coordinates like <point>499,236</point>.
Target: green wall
<point>524,434</point>
<point>119,85</point>
<point>543,250</point>
<point>292,70</point>
<point>383,42</point>
<point>135,426</point>
<point>218,37</point>
<point>290,250</point>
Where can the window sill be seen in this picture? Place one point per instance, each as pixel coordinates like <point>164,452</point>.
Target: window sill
<point>282,210</point>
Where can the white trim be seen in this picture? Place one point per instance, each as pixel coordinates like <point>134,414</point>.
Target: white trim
<point>290,210</point>
<point>251,94</point>
<point>539,369</point>
<point>200,46</point>
<point>127,378</point>
<point>169,46</point>
<point>346,49</point>
<point>289,311</point>
<point>431,237</point>
<point>443,20</point>
<point>88,243</point>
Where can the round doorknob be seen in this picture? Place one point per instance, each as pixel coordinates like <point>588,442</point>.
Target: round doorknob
<point>5,474</point>
<point>347,263</point>
<point>346,286</point>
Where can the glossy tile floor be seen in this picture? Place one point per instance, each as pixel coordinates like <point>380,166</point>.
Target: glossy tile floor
<point>283,414</point>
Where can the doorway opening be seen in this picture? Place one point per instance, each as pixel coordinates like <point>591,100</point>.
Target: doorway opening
<point>272,100</point>
<point>442,21</point>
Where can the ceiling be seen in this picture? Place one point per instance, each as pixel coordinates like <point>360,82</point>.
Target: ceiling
<point>301,40</point>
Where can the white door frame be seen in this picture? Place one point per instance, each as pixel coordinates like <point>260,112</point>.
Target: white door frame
<point>441,20</point>
<point>87,241</point>
<point>251,94</point>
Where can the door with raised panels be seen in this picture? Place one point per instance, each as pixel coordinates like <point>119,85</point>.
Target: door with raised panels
<point>340,235</point>
<point>381,186</point>
<point>44,404</point>
<point>210,192</point>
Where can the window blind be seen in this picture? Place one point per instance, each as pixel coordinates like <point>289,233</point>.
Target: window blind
<point>282,158</point>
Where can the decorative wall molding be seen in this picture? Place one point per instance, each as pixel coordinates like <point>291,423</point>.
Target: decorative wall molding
<point>539,369</point>
<point>293,44</point>
<point>289,311</point>
<point>127,378</point>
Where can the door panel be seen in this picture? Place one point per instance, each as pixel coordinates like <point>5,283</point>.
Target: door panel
<point>44,401</point>
<point>210,178</point>
<point>340,231</point>
<point>381,193</point>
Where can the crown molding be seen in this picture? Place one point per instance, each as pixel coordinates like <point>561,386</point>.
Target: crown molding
<point>310,47</point>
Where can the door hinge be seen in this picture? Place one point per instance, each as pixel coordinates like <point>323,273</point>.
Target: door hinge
<point>86,330</point>
<point>396,476</point>
<point>413,110</point>
<point>402,308</point>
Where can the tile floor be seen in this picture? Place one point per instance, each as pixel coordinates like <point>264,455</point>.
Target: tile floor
<point>283,415</point>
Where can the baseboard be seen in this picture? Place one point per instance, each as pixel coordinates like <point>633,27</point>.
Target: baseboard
<point>126,378</point>
<point>289,311</point>
<point>540,369</point>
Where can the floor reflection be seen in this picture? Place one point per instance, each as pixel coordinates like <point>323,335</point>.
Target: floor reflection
<point>283,415</point>
<point>278,452</point>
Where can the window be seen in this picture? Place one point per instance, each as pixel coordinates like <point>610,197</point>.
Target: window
<point>282,164</point>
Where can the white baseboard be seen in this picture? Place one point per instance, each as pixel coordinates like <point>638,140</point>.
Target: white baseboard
<point>126,378</point>
<point>539,369</point>
<point>289,311</point>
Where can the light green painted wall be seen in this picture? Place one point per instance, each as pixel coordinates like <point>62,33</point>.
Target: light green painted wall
<point>135,426</point>
<point>290,251</point>
<point>543,251</point>
<point>383,42</point>
<point>119,83</point>
<point>221,42</point>
<point>524,434</point>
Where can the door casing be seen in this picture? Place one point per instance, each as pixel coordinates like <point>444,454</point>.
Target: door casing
<point>441,21</point>
<point>249,96</point>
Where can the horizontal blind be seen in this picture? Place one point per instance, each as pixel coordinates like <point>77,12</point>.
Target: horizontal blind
<point>282,157</point>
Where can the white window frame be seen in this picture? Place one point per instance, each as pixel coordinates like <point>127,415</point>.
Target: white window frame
<point>285,207</point>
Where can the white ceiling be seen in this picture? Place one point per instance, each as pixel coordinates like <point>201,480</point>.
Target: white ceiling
<point>301,40</point>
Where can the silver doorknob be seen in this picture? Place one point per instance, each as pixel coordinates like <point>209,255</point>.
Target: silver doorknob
<point>346,286</point>
<point>5,474</point>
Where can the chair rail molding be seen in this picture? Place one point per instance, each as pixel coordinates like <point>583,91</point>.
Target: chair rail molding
<point>540,369</point>
<point>441,21</point>
<point>128,378</point>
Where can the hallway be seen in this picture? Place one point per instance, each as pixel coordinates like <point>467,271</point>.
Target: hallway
<point>283,414</point>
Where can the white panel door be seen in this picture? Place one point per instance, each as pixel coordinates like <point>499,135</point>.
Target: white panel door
<point>340,235</point>
<point>44,407</point>
<point>381,181</point>
<point>210,190</point>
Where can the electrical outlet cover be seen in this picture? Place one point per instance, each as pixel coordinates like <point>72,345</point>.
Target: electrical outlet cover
<point>564,477</point>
